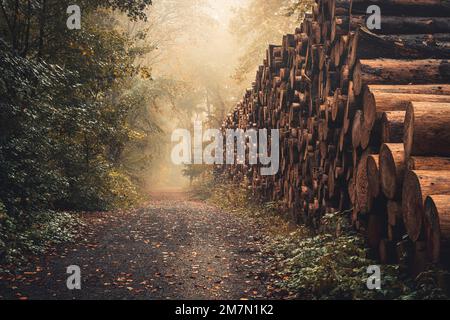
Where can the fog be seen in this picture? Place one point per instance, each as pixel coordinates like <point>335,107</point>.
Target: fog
<point>195,57</point>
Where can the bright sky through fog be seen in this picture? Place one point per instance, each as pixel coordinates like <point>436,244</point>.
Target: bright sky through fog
<point>221,10</point>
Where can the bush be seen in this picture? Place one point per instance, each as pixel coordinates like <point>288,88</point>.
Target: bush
<point>327,266</point>
<point>17,239</point>
<point>123,192</point>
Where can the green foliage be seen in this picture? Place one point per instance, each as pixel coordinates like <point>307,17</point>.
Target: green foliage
<point>64,132</point>
<point>123,191</point>
<point>48,228</point>
<point>324,267</point>
<point>28,180</point>
<point>67,116</point>
<point>33,27</point>
<point>329,265</point>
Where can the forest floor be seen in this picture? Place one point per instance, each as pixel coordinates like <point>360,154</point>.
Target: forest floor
<point>171,248</point>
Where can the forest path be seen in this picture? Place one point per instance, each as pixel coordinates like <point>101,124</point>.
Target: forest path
<point>172,248</point>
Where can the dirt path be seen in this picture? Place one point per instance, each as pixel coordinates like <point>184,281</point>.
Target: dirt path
<point>171,249</point>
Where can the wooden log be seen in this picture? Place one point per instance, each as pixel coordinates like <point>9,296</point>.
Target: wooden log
<point>396,229</point>
<point>381,71</point>
<point>350,108</point>
<point>356,129</point>
<point>338,106</point>
<point>394,211</point>
<point>305,89</point>
<point>379,101</point>
<point>428,163</point>
<point>339,27</point>
<point>404,7</point>
<point>437,225</point>
<point>373,174</point>
<point>363,193</point>
<point>371,137</point>
<point>420,259</point>
<point>352,190</point>
<point>418,185</point>
<point>435,89</point>
<point>392,126</point>
<point>426,129</point>
<point>393,233</point>
<point>407,25</point>
<point>392,168</point>
<point>368,45</point>
<point>365,136</point>
<point>339,8</point>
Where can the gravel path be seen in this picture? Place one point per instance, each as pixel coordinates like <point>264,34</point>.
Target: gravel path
<point>172,248</point>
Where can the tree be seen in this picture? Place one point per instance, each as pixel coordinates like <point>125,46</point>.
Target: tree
<point>64,128</point>
<point>260,23</point>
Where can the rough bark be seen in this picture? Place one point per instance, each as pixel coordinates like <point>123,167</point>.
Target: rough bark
<point>390,71</point>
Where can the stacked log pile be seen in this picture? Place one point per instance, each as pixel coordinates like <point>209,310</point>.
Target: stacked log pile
<point>364,120</point>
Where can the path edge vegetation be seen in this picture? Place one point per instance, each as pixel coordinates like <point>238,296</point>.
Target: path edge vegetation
<point>328,263</point>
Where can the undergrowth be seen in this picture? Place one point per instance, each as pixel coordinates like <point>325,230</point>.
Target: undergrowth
<point>240,200</point>
<point>18,240</point>
<point>29,233</point>
<point>329,264</point>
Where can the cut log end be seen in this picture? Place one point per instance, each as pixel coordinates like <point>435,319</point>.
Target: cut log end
<point>408,131</point>
<point>369,108</point>
<point>356,129</point>
<point>426,129</point>
<point>373,174</point>
<point>418,185</point>
<point>392,164</point>
<point>392,126</point>
<point>432,230</point>
<point>357,80</point>
<point>412,207</point>
<point>437,226</point>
